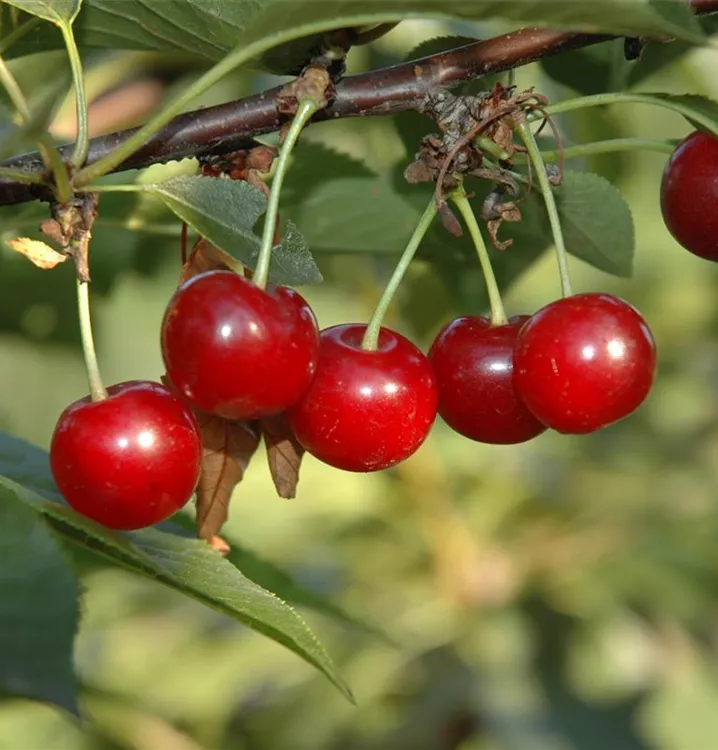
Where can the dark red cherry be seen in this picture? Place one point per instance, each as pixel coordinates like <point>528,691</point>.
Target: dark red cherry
<point>474,366</point>
<point>236,350</point>
<point>366,410</point>
<point>130,460</point>
<point>584,362</point>
<point>689,195</point>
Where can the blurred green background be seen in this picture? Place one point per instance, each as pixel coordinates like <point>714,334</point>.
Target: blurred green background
<point>559,595</point>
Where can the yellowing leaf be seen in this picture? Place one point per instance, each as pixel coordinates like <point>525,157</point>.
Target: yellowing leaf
<point>42,255</point>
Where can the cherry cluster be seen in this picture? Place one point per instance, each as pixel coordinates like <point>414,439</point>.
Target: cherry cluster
<point>240,352</point>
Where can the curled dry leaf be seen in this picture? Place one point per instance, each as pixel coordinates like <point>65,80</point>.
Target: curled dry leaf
<point>37,252</point>
<point>228,447</point>
<point>284,454</point>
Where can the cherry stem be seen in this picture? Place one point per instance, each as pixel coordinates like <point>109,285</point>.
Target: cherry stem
<point>97,389</point>
<point>527,136</point>
<point>612,145</point>
<point>600,100</point>
<point>78,78</point>
<point>370,342</point>
<point>305,110</point>
<point>492,148</point>
<point>498,314</point>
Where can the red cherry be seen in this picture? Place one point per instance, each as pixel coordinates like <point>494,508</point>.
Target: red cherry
<point>366,410</point>
<point>474,363</point>
<point>130,460</point>
<point>236,350</point>
<point>689,195</point>
<point>584,362</point>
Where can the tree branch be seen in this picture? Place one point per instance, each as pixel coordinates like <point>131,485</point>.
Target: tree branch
<point>231,126</point>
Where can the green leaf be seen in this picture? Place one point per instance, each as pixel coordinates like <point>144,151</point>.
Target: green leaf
<point>597,222</point>
<point>195,28</point>
<point>679,15</point>
<point>187,565</point>
<point>59,12</point>
<point>593,70</point>
<point>269,576</point>
<point>354,215</point>
<point>210,29</point>
<point>342,205</point>
<point>313,164</point>
<point>225,211</point>
<point>609,16</point>
<point>38,608</point>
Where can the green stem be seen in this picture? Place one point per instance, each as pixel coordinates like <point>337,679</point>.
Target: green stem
<point>600,100</point>
<point>498,315</point>
<point>50,156</point>
<point>611,146</point>
<point>18,33</point>
<point>305,111</point>
<point>524,130</point>
<point>31,178</point>
<point>491,147</point>
<point>371,335</point>
<point>79,153</point>
<point>110,188</point>
<point>97,389</point>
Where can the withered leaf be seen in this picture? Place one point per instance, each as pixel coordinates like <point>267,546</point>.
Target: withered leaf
<point>37,252</point>
<point>493,226</point>
<point>205,257</point>
<point>284,454</point>
<point>228,447</point>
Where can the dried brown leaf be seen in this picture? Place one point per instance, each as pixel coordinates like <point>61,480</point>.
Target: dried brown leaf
<point>284,454</point>
<point>37,252</point>
<point>205,257</point>
<point>228,447</point>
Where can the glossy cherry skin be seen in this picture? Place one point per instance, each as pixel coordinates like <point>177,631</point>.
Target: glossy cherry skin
<point>474,366</point>
<point>130,460</point>
<point>689,195</point>
<point>584,362</point>
<point>238,351</point>
<point>366,410</point>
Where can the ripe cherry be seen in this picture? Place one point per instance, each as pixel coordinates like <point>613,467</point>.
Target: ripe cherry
<point>474,363</point>
<point>689,195</point>
<point>584,362</point>
<point>130,460</point>
<point>366,410</point>
<point>236,350</point>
